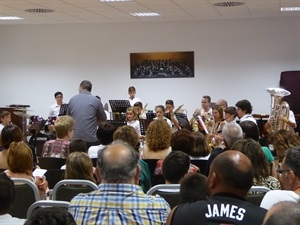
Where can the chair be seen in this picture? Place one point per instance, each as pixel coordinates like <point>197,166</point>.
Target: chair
<point>51,162</point>
<point>201,163</point>
<point>170,192</point>
<point>65,190</point>
<point>256,197</point>
<point>26,194</point>
<point>46,203</point>
<point>54,176</point>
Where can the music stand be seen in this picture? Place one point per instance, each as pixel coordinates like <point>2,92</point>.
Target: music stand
<point>150,115</point>
<point>168,115</point>
<point>117,123</point>
<point>118,107</point>
<point>63,110</point>
<point>183,121</point>
<point>144,124</point>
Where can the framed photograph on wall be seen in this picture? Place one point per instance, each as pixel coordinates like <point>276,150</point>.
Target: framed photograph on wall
<point>161,65</point>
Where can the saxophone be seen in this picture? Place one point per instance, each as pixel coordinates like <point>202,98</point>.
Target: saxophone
<point>278,108</point>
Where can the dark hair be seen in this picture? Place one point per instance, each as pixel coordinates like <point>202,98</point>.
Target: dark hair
<point>161,107</point>
<point>250,129</point>
<point>292,159</point>
<point>4,114</point>
<point>58,93</point>
<point>252,149</point>
<point>50,215</point>
<point>105,133</point>
<point>139,104</point>
<point>7,193</point>
<point>9,134</point>
<point>244,105</point>
<point>207,97</point>
<point>220,111</point>
<point>183,140</point>
<point>231,110</point>
<point>77,145</point>
<point>175,166</point>
<point>193,187</point>
<point>169,102</point>
<point>131,88</point>
<point>201,148</point>
<point>86,85</point>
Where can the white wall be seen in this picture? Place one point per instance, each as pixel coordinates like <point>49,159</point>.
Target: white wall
<point>234,59</point>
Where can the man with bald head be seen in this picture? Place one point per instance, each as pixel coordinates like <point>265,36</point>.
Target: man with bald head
<point>119,199</point>
<point>229,180</point>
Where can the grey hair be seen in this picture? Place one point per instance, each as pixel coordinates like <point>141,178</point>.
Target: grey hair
<point>118,171</point>
<point>232,132</point>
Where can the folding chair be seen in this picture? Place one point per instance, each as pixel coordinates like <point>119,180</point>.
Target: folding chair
<point>256,194</point>
<point>170,192</point>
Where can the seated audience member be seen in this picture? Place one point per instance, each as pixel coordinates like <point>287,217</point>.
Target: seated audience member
<point>201,149</point>
<point>79,166</point>
<point>20,165</point>
<point>9,134</point>
<point>158,140</point>
<point>229,180</point>
<point>5,119</point>
<point>231,133</point>
<point>59,148</point>
<point>128,135</point>
<point>193,187</point>
<point>50,215</point>
<point>105,133</point>
<point>287,213</point>
<point>244,110</point>
<point>282,140</point>
<point>7,196</point>
<point>261,169</point>
<point>175,166</point>
<point>230,114</point>
<point>77,145</point>
<point>118,192</point>
<point>289,176</point>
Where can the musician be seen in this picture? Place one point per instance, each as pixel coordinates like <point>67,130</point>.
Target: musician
<point>170,109</point>
<point>222,103</point>
<point>244,110</point>
<point>141,113</point>
<point>5,119</point>
<point>55,108</point>
<point>214,128</point>
<point>230,114</point>
<point>160,114</point>
<point>132,99</point>
<point>206,110</point>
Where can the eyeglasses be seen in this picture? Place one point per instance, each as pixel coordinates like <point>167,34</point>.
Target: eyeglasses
<point>280,171</point>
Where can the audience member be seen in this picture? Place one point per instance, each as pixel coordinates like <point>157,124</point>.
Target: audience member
<point>201,149</point>
<point>9,134</point>
<point>55,108</point>
<point>193,187</point>
<point>5,119</point>
<point>77,145</point>
<point>50,215</point>
<point>59,147</point>
<point>175,166</point>
<point>128,135</point>
<point>119,169</point>
<point>105,133</point>
<point>287,213</point>
<point>7,196</point>
<point>289,176</point>
<point>244,110</point>
<point>261,169</point>
<point>88,112</point>
<point>229,180</point>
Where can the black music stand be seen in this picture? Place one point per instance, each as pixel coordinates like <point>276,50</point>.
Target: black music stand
<point>150,115</point>
<point>117,123</point>
<point>144,124</point>
<point>118,107</point>
<point>183,121</point>
<point>168,115</point>
<point>63,110</point>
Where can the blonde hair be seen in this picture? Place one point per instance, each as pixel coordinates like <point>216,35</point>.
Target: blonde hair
<point>127,134</point>
<point>63,125</point>
<point>19,157</point>
<point>79,166</point>
<point>158,135</point>
<point>131,109</point>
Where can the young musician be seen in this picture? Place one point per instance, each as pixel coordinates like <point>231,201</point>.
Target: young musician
<point>170,109</point>
<point>244,110</point>
<point>131,119</point>
<point>206,110</point>
<point>230,114</point>
<point>55,108</point>
<point>215,126</point>
<point>5,119</point>
<point>132,99</point>
<point>141,113</point>
<point>160,114</point>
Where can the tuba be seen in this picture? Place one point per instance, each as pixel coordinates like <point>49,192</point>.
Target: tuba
<point>278,108</point>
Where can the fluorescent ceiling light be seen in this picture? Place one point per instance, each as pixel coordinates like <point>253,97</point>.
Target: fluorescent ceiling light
<point>145,14</point>
<point>10,18</point>
<point>289,9</point>
<point>116,0</point>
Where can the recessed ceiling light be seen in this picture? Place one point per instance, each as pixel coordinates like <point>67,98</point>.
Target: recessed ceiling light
<point>39,10</point>
<point>116,0</point>
<point>228,4</point>
<point>289,9</point>
<point>10,18</point>
<point>145,14</point>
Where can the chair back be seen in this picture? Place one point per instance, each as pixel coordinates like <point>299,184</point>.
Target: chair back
<point>54,176</point>
<point>201,163</point>
<point>26,194</point>
<point>65,190</point>
<point>170,192</point>
<point>256,194</point>
<point>46,203</point>
<point>50,163</point>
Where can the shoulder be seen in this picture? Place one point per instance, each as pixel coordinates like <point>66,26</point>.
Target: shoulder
<point>275,196</point>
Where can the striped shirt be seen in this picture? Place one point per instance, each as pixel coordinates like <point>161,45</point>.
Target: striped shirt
<point>115,204</point>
